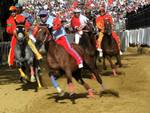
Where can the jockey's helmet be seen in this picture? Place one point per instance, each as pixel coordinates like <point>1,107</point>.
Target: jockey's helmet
<point>17,5</point>
<point>19,8</point>
<point>77,12</point>
<point>13,11</point>
<point>102,11</point>
<point>43,14</point>
<point>12,8</point>
<point>57,24</point>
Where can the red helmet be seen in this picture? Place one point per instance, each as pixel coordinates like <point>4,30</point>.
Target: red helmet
<point>57,24</point>
<point>12,8</point>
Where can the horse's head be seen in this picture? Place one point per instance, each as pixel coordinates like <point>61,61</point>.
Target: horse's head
<point>43,34</point>
<point>108,27</point>
<point>89,27</point>
<point>20,32</point>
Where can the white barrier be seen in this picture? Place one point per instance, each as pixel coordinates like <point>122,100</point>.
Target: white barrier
<point>137,36</point>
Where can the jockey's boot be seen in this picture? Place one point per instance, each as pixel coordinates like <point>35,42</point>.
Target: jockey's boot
<point>34,49</point>
<point>100,52</point>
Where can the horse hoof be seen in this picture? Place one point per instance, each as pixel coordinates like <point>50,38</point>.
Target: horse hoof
<point>32,79</point>
<point>116,63</point>
<point>23,80</point>
<point>90,96</point>
<point>114,72</point>
<point>90,93</point>
<point>61,94</point>
<point>72,98</point>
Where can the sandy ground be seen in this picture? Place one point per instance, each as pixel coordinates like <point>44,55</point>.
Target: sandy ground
<point>133,85</point>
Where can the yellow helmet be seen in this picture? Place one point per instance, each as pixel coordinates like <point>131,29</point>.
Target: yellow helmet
<point>12,8</point>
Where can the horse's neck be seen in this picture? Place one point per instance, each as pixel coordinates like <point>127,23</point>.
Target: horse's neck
<point>109,39</point>
<point>50,45</point>
<point>86,42</point>
<point>22,46</point>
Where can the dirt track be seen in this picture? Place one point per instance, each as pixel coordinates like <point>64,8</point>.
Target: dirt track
<point>132,84</point>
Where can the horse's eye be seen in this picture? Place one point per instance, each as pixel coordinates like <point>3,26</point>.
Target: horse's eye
<point>17,29</point>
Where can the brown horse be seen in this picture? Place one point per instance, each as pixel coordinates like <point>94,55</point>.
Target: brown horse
<point>58,59</point>
<point>110,47</point>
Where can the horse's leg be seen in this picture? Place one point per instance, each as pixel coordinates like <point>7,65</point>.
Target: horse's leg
<point>91,65</point>
<point>30,58</point>
<point>104,63</point>
<point>71,89</point>
<point>93,68</point>
<point>112,65</point>
<point>79,79</point>
<point>118,57</point>
<point>19,60</point>
<point>55,84</point>
<point>70,83</point>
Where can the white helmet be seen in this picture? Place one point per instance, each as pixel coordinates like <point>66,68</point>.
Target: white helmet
<point>77,10</point>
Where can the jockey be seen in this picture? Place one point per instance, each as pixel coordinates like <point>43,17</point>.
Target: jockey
<point>45,20</point>
<point>11,30</point>
<point>100,26</point>
<point>78,22</point>
<point>61,39</point>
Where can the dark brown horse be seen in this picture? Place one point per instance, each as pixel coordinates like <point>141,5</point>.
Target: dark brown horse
<point>58,59</point>
<point>110,47</point>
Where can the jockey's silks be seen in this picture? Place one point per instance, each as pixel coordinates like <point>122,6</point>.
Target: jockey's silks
<point>59,33</point>
<point>62,41</point>
<point>11,27</point>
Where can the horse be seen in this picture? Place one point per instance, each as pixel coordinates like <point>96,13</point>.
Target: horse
<point>58,59</point>
<point>110,47</point>
<point>24,57</point>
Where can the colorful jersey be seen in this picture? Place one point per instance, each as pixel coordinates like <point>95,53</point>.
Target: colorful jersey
<point>77,22</point>
<point>11,23</point>
<point>100,20</point>
<point>59,33</point>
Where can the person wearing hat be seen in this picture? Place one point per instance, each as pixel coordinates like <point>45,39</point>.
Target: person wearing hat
<point>19,8</point>
<point>100,25</point>
<point>60,37</point>
<point>78,22</point>
<point>11,30</point>
<point>45,20</point>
